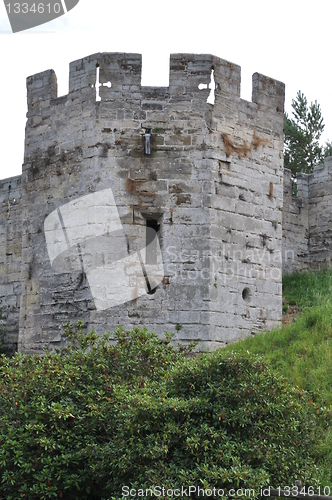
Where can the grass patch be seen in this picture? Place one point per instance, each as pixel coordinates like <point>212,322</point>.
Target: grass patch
<point>308,289</point>
<point>302,351</point>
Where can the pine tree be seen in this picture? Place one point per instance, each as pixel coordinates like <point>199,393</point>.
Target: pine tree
<point>328,149</point>
<point>302,133</point>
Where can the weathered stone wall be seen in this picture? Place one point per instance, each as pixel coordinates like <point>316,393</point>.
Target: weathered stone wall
<point>307,222</point>
<point>10,258</point>
<point>212,184</point>
<point>320,220</point>
<point>247,213</point>
<point>295,228</point>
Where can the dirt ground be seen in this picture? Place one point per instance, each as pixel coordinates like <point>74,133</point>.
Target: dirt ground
<point>290,315</point>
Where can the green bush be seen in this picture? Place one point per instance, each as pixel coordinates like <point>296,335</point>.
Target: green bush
<point>85,421</point>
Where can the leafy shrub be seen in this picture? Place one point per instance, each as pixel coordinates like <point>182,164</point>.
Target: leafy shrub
<point>85,421</point>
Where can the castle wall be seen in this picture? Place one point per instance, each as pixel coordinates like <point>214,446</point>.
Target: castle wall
<point>295,228</point>
<point>247,214</point>
<point>307,222</point>
<point>320,220</point>
<point>211,185</point>
<point>10,259</point>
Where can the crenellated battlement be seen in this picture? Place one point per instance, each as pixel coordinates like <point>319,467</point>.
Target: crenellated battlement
<point>41,87</point>
<point>307,185</point>
<point>201,86</point>
<point>122,70</point>
<point>119,74</point>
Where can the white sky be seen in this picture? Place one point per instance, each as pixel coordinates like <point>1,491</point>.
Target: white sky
<point>286,40</point>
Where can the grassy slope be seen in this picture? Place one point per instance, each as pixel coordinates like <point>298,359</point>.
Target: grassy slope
<point>302,351</point>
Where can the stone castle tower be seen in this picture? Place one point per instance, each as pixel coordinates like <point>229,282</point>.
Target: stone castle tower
<point>142,206</point>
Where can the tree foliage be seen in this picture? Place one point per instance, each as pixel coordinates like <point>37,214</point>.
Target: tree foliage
<point>302,134</point>
<point>85,421</point>
<point>328,149</point>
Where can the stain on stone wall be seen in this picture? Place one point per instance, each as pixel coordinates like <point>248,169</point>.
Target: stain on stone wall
<point>245,149</point>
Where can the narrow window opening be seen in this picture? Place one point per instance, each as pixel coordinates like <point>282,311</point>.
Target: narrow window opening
<point>147,137</point>
<point>152,228</point>
<point>211,86</point>
<point>8,202</point>
<point>97,85</point>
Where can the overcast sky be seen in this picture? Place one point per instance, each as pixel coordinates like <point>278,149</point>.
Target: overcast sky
<point>286,40</point>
